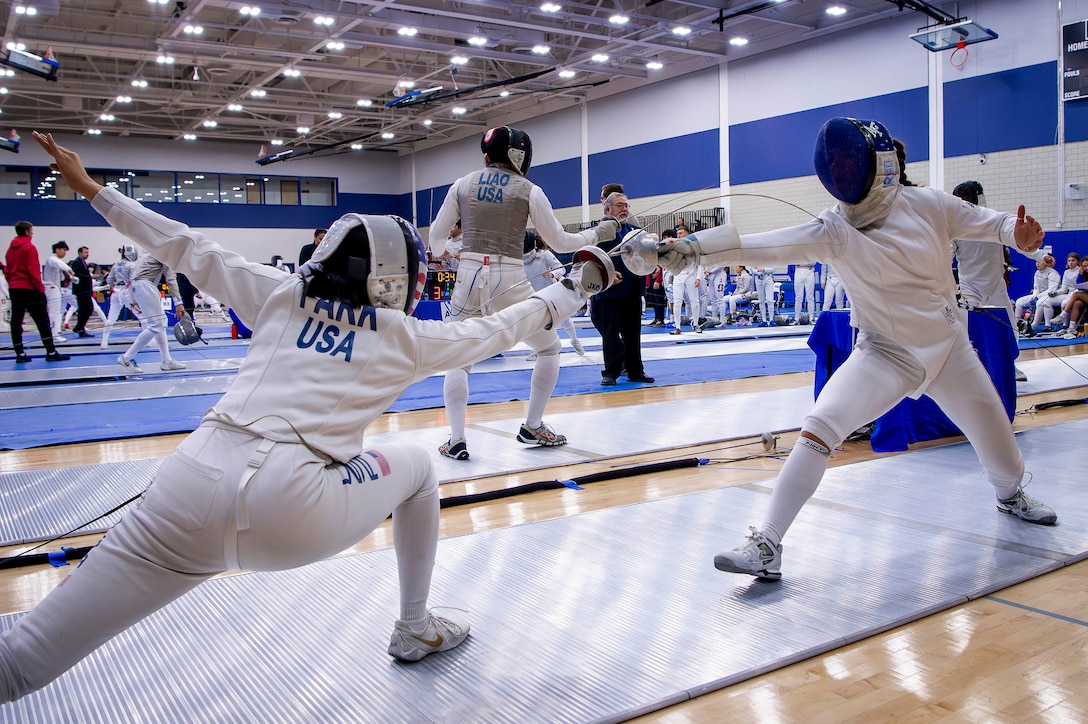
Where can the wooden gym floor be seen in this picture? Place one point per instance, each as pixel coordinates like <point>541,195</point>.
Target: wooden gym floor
<point>1018,656</point>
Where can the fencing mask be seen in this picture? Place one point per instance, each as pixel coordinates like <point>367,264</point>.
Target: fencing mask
<point>186,332</point>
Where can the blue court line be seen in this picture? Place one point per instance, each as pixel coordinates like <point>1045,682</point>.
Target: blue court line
<point>1051,614</point>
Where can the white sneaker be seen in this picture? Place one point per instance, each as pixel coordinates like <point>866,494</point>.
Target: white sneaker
<point>531,357</point>
<point>578,348</point>
<point>1019,374</point>
<point>131,364</point>
<point>1069,335</point>
<point>441,634</point>
<point>1027,508</point>
<point>758,557</point>
<point>171,364</point>
<point>103,345</point>
<point>59,338</point>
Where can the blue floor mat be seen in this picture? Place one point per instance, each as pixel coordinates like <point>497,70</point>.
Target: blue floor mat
<point>65,424</point>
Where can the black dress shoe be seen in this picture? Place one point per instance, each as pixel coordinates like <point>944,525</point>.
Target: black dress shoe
<point>640,378</point>
<point>84,333</point>
<point>608,381</point>
<point>56,357</point>
<point>24,358</point>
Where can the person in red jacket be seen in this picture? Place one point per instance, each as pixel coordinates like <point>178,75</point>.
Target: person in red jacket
<point>24,274</point>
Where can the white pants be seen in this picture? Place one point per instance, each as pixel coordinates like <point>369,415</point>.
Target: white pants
<point>209,511</point>
<point>834,291</point>
<point>683,287</point>
<point>765,297</point>
<point>804,291</point>
<point>481,290</point>
<point>887,373</point>
<point>146,304</point>
<point>52,304</point>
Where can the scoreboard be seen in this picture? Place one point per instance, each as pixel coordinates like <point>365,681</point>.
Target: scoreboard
<point>1075,61</point>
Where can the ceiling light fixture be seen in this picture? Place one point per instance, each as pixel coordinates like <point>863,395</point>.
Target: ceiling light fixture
<point>654,65</point>
<point>194,30</point>
<point>681,31</point>
<point>106,117</point>
<point>189,136</point>
<point>459,60</point>
<point>292,72</point>
<point>364,103</point>
<point>235,107</point>
<point>334,45</point>
<point>93,132</point>
<point>210,123</point>
<point>619,19</point>
<point>738,41</point>
<point>324,20</point>
<point>124,99</point>
<point>139,83</point>
<point>565,73</point>
<point>459,110</point>
<point>503,94</point>
<point>541,50</point>
<point>250,10</point>
<point>550,7</point>
<point>302,130</point>
<point>428,122</point>
<point>388,136</point>
<point>599,58</point>
<point>477,41</point>
<point>165,60</point>
<point>277,142</point>
<point>407,32</point>
<point>258,92</point>
<point>335,115</point>
<point>836,10</point>
<point>356,147</point>
<point>25,10</point>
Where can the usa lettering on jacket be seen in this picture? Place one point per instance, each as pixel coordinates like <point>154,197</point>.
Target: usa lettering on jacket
<point>320,333</point>
<point>490,185</point>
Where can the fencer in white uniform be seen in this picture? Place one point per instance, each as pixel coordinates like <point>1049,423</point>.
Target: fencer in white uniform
<point>685,287</point>
<point>495,205</point>
<point>804,291</point>
<point>271,481</point>
<point>145,301</point>
<point>57,276</point>
<point>763,276</point>
<point>891,247</point>
<point>716,281</point>
<point>1053,304</point>
<point>543,269</point>
<point>744,291</point>
<point>119,282</point>
<point>1045,281</point>
<point>834,291</point>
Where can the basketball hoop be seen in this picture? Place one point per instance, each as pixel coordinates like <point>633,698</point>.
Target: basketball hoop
<point>962,45</point>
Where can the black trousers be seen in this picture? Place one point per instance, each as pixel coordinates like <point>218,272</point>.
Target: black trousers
<point>619,320</point>
<point>84,308</point>
<point>32,302</point>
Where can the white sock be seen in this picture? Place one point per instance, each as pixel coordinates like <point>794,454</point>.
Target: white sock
<point>797,482</point>
<point>455,395</point>
<point>545,375</point>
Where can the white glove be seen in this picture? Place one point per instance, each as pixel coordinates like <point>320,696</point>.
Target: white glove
<point>607,230</point>
<point>593,272</point>
<point>676,255</point>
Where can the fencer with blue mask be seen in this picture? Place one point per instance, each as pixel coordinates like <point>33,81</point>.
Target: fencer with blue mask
<point>278,473</point>
<point>890,245</point>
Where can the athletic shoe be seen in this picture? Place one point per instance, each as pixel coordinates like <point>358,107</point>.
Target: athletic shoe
<point>1020,376</point>
<point>84,333</point>
<point>608,381</point>
<point>59,338</point>
<point>456,449</point>
<point>578,348</point>
<point>675,331</point>
<point>130,363</point>
<point>104,344</point>
<point>441,634</point>
<point>758,557</point>
<point>531,357</point>
<point>1069,335</point>
<point>171,365</point>
<point>56,357</point>
<point>22,359</point>
<point>542,435</point>
<point>1027,508</point>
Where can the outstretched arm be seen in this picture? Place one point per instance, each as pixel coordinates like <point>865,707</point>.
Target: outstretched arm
<point>70,167</point>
